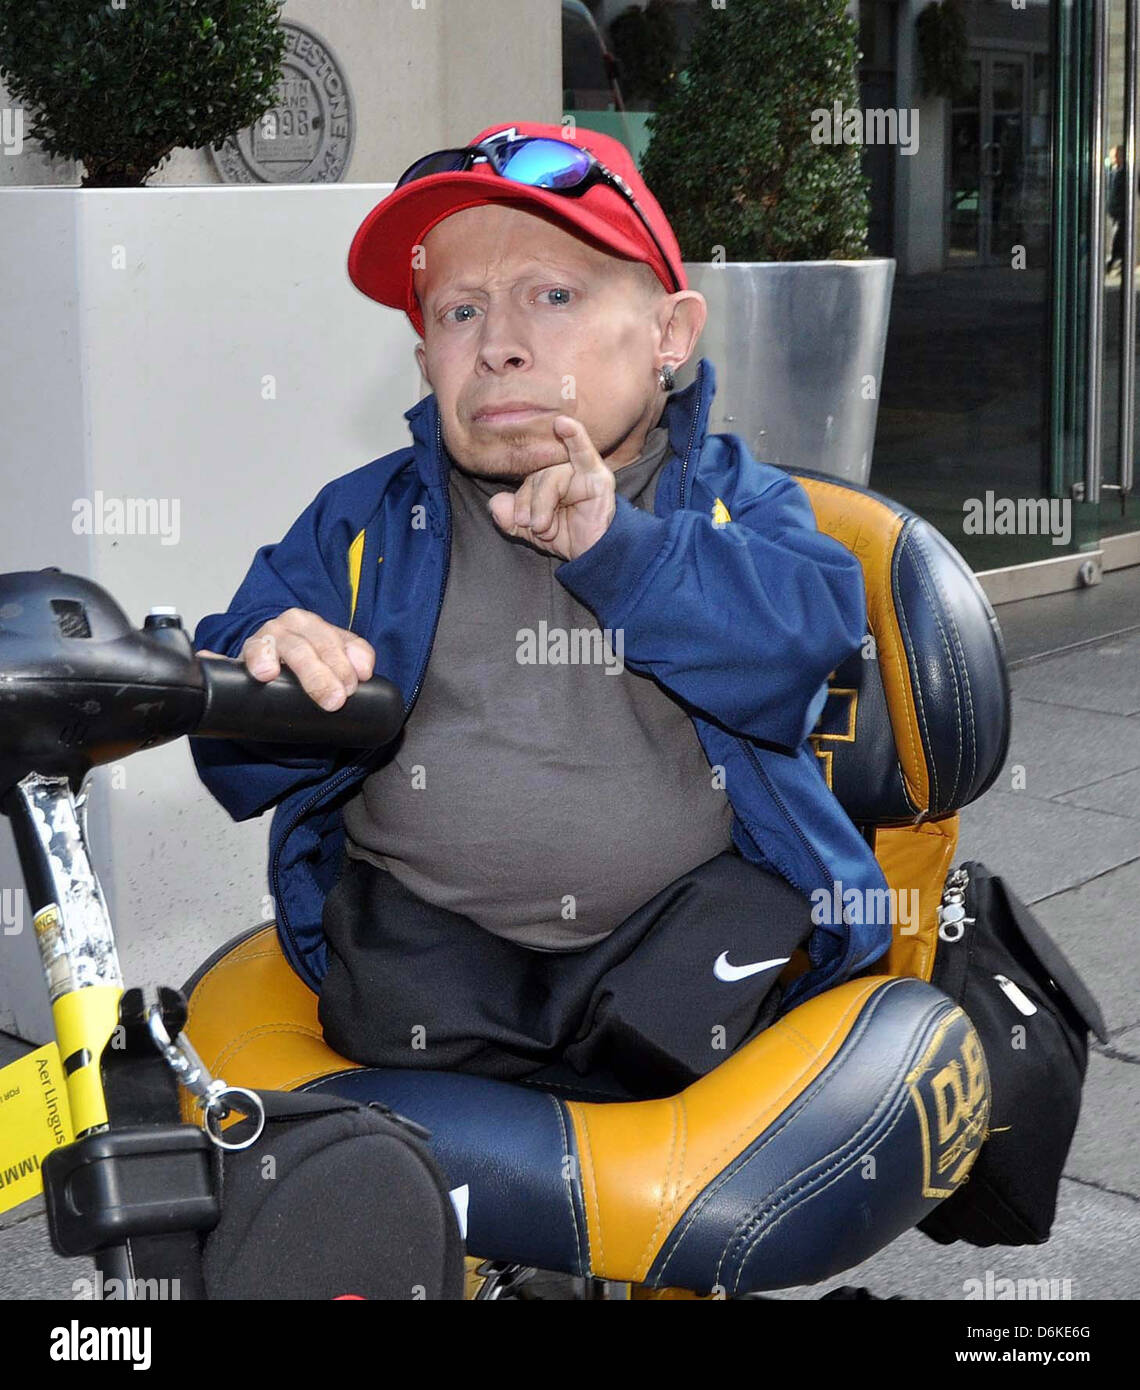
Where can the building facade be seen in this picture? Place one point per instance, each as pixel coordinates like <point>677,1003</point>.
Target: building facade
<point>1010,372</point>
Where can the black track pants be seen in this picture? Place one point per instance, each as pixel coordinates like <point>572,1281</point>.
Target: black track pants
<point>662,1000</point>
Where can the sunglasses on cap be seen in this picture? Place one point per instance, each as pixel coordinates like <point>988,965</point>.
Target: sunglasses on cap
<point>538,162</point>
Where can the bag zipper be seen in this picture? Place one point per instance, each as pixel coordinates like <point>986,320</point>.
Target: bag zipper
<point>952,919</point>
<point>952,924</point>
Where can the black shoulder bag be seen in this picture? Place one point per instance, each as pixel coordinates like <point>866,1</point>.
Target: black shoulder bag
<point>1033,1015</point>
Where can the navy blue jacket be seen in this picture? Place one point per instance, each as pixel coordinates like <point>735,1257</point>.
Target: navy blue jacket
<point>727,593</point>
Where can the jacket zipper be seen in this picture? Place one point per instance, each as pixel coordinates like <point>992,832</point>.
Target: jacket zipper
<point>782,805</point>
<point>745,744</point>
<point>790,819</point>
<point>446,566</point>
<point>361,763</point>
<point>751,752</point>
<point>692,435</point>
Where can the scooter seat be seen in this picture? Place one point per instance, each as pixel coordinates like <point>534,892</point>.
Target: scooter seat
<point>810,1148</point>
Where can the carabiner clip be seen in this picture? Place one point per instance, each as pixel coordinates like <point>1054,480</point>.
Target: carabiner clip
<point>211,1094</point>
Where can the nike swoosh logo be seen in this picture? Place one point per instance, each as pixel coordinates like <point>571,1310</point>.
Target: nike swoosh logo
<point>723,971</point>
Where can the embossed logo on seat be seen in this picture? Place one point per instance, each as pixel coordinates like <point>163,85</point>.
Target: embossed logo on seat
<point>950,1087</point>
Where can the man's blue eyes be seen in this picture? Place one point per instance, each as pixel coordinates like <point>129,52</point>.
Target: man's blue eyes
<point>461,309</point>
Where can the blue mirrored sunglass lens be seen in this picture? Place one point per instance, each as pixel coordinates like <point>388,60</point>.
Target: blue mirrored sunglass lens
<point>546,164</point>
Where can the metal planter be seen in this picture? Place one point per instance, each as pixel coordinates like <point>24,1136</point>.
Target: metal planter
<point>798,350</point>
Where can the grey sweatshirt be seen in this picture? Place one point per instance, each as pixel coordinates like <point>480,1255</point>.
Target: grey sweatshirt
<point>538,788</point>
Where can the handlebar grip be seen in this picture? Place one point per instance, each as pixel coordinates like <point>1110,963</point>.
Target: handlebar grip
<point>238,705</point>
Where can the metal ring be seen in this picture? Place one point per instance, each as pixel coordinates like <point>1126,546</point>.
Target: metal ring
<point>256,1106</point>
<point>944,933</point>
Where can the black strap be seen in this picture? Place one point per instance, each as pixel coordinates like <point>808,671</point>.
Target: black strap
<point>140,1089</point>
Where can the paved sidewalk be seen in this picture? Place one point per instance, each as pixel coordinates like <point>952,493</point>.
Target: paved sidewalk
<point>1069,844</point>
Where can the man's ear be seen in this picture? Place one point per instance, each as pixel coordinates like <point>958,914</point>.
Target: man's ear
<point>684,315</point>
<point>421,358</point>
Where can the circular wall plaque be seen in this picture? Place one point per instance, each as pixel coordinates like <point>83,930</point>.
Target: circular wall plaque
<point>306,136</point>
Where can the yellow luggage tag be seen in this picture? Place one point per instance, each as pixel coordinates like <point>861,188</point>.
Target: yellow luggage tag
<point>35,1118</point>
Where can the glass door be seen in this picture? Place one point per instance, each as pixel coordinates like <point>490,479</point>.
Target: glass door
<point>1118,510</point>
<point>963,428</point>
<point>989,159</point>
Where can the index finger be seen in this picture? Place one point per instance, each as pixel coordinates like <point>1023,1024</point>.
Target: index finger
<point>572,432</point>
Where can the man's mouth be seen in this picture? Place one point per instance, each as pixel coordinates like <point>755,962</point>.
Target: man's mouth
<point>509,413</point>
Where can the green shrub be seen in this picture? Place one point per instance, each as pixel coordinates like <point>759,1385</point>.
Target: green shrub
<point>731,158</point>
<point>119,85</point>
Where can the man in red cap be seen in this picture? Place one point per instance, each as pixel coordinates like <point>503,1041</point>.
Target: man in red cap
<point>590,850</point>
<point>419,247</point>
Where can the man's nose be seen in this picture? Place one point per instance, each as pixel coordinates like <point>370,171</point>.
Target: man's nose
<point>502,343</point>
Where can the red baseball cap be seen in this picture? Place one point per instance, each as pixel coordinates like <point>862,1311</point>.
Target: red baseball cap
<point>380,257</point>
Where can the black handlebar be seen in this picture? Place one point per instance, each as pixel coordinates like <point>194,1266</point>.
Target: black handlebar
<point>79,686</point>
<point>238,705</point>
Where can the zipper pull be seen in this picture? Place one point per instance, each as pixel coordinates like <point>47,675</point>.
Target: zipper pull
<point>1017,997</point>
<point>394,1115</point>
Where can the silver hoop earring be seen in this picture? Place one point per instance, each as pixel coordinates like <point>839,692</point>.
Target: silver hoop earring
<point>666,377</point>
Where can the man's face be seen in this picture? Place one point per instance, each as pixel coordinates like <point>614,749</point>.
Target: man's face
<point>520,313</point>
